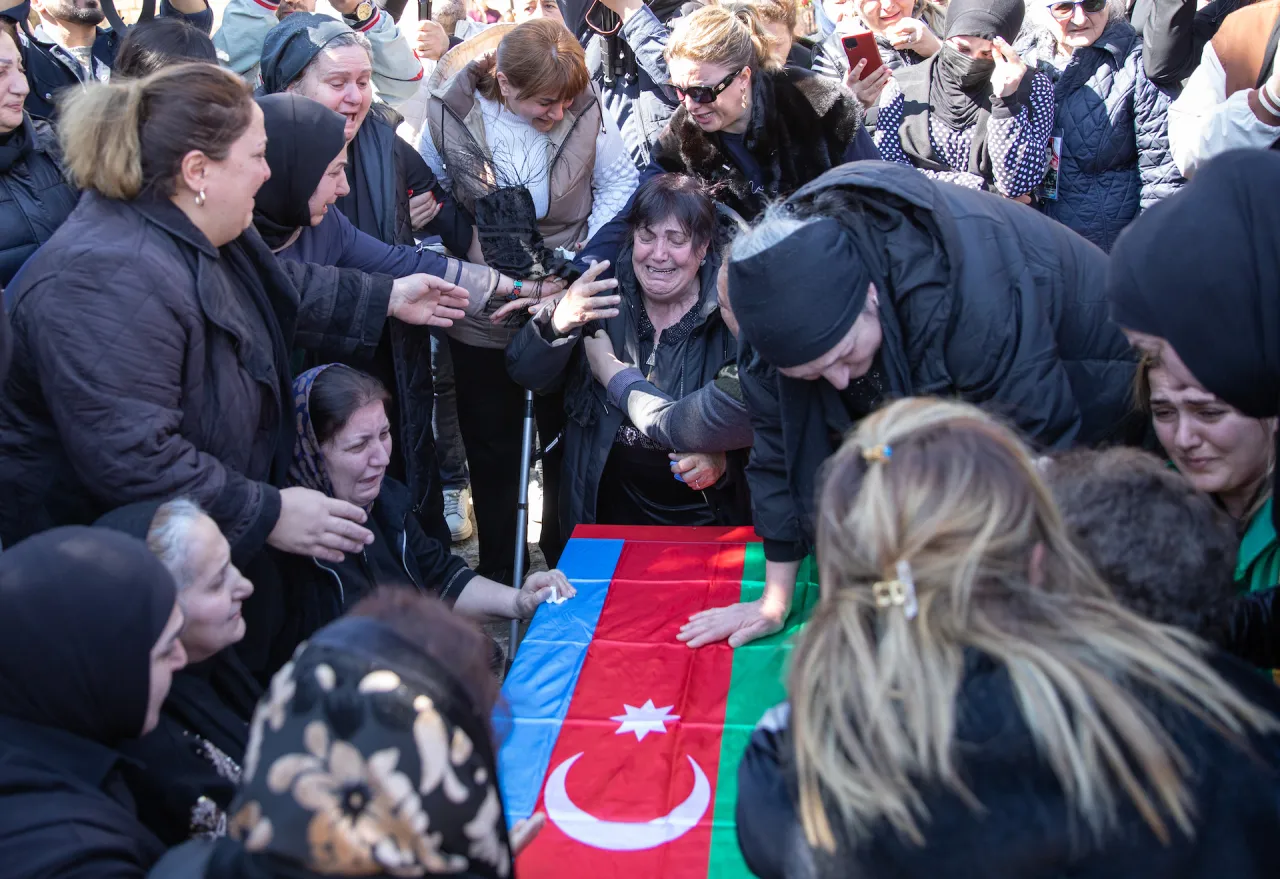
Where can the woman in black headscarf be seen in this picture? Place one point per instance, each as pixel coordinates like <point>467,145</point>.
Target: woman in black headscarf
<point>295,212</point>
<point>1196,279</point>
<point>187,768</point>
<point>972,114</point>
<point>372,755</point>
<point>88,645</point>
<point>941,291</point>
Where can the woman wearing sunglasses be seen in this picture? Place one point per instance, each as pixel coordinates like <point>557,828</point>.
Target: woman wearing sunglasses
<point>1111,129</point>
<point>973,114</point>
<point>750,130</point>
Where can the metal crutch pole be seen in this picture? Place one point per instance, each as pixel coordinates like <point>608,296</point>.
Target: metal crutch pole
<point>522,517</point>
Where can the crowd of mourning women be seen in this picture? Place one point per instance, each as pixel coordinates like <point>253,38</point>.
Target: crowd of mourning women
<point>978,301</point>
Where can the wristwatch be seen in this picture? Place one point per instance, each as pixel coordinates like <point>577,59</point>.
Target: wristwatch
<point>363,12</point>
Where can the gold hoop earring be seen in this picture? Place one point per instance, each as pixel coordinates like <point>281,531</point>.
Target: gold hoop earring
<point>200,199</point>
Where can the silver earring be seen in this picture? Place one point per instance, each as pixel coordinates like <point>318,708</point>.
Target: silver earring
<point>200,199</point>
<point>703,261</point>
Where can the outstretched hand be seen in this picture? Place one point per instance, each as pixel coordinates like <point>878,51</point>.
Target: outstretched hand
<point>739,623</point>
<point>539,587</point>
<point>531,295</point>
<point>587,300</point>
<point>426,300</point>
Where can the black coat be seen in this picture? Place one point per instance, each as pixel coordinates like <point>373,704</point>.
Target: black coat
<point>34,196</point>
<point>802,125</point>
<point>67,812</point>
<point>318,592</point>
<point>1026,829</point>
<point>184,773</point>
<point>1023,329</point>
<point>692,371</point>
<point>143,369</point>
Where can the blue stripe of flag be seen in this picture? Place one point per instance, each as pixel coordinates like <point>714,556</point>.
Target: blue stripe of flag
<point>540,686</point>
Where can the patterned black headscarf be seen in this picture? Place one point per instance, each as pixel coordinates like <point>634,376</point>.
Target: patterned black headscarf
<point>367,758</point>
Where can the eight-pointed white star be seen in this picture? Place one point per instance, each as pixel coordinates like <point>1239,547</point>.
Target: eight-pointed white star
<point>644,720</point>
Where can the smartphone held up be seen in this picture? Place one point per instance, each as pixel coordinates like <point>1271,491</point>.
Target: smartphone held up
<point>862,47</point>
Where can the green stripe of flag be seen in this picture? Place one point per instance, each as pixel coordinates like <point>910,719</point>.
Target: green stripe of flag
<point>756,686</point>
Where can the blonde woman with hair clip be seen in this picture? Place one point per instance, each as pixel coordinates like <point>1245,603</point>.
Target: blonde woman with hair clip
<point>969,699</point>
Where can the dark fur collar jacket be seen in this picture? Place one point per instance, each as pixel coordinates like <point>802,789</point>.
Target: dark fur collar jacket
<point>802,124</point>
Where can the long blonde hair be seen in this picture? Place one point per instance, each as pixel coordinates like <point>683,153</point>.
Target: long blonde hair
<point>874,693</point>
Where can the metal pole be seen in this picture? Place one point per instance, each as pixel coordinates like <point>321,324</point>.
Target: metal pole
<point>522,517</point>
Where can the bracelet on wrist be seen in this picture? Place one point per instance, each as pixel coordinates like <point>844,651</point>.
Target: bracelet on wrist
<point>1269,99</point>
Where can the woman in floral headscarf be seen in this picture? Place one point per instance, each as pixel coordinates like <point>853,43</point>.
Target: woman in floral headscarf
<point>342,448</point>
<point>372,755</point>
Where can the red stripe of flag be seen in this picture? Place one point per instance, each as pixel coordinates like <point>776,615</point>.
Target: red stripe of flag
<point>634,659</point>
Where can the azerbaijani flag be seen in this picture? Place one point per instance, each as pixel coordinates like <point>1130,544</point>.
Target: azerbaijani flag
<point>625,737</point>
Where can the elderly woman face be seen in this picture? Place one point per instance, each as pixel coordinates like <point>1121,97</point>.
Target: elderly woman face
<point>341,79</point>
<point>1078,24</point>
<point>13,84</point>
<point>213,591</point>
<point>666,259</point>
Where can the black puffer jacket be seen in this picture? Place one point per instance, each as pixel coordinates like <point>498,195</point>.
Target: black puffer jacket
<point>1114,124</point>
<point>687,403</point>
<point>1025,827</point>
<point>34,196</point>
<point>1022,328</point>
<point>144,370</point>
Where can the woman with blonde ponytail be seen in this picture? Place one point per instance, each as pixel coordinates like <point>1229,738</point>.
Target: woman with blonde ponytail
<point>969,699</point>
<point>154,330</point>
<point>752,130</point>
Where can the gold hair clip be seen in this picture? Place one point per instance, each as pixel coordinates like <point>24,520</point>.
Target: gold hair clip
<point>877,454</point>
<point>900,592</point>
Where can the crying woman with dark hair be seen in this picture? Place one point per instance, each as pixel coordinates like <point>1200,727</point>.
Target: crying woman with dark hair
<point>342,447</point>
<point>657,430</point>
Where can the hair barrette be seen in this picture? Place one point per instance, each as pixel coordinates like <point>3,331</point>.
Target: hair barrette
<point>900,592</point>
<point>877,454</point>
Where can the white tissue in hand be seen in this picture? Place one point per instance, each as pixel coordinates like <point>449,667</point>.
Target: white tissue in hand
<point>556,597</point>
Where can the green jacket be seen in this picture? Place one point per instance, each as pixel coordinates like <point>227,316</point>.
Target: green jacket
<point>1258,565</point>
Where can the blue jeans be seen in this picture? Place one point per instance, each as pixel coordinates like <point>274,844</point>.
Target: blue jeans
<point>450,453</point>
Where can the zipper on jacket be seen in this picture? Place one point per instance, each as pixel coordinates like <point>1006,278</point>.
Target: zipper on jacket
<point>342,593</point>
<point>404,557</point>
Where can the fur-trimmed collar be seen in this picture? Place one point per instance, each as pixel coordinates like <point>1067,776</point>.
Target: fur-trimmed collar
<point>801,125</point>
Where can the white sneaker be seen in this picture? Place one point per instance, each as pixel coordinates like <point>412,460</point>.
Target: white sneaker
<point>457,513</point>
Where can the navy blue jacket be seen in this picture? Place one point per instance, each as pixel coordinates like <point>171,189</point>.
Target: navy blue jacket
<point>48,74</point>
<point>1114,124</point>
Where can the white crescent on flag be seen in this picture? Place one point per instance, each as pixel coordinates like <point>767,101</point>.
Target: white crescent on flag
<point>624,836</point>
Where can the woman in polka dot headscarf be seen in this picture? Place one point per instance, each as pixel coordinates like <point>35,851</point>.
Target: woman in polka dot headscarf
<point>972,114</point>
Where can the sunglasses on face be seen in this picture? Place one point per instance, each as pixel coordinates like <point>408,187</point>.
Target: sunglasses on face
<point>1063,11</point>
<point>705,94</point>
